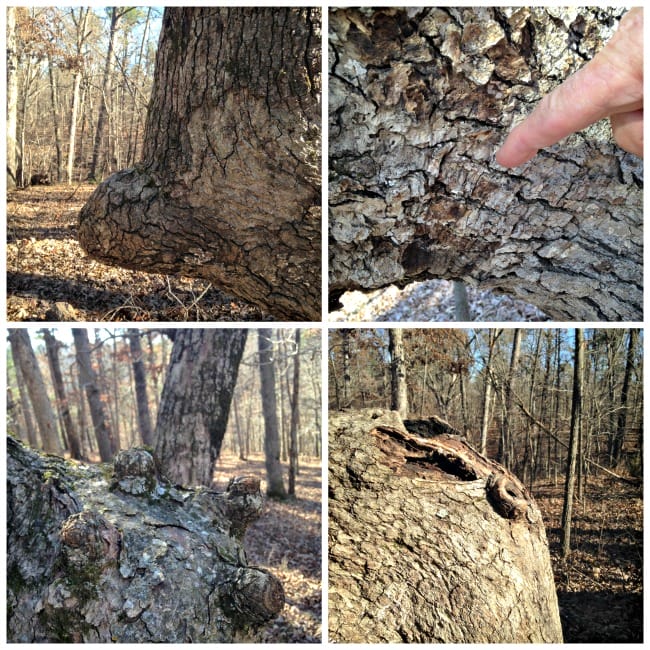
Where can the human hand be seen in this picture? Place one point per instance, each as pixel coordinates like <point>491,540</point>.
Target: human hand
<point>610,85</point>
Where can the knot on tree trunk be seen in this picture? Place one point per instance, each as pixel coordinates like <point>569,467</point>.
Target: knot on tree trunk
<point>134,472</point>
<point>506,496</point>
<point>89,539</point>
<point>257,595</point>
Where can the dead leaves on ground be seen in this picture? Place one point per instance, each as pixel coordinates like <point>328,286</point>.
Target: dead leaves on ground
<point>286,540</point>
<point>50,278</point>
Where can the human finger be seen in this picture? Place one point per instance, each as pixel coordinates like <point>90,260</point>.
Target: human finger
<point>628,131</point>
<point>611,83</point>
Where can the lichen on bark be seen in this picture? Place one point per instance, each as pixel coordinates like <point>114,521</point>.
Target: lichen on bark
<point>123,556</point>
<point>419,101</point>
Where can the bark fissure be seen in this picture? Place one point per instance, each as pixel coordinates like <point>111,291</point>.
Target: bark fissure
<point>415,118</point>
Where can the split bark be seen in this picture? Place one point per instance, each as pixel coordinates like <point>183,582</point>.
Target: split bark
<point>116,554</point>
<point>229,186</point>
<point>419,101</point>
<point>431,542</point>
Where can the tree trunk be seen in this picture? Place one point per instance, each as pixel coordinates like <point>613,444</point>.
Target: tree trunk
<point>625,390</point>
<point>229,188</point>
<point>398,392</point>
<point>96,401</point>
<point>23,355</point>
<point>52,348</point>
<point>504,454</point>
<point>493,335</point>
<point>195,402</point>
<point>295,417</point>
<point>24,405</point>
<point>54,98</point>
<point>274,481</point>
<point>117,555</point>
<point>12,100</point>
<point>140,381</point>
<point>431,542</point>
<point>420,99</point>
<point>574,437</point>
<point>99,147</point>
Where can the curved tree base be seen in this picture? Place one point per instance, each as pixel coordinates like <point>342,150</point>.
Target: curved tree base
<point>116,554</point>
<point>431,542</point>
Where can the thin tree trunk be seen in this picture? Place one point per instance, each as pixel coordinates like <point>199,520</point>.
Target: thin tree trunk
<point>13,154</point>
<point>23,354</point>
<point>54,98</point>
<point>487,389</point>
<point>274,482</point>
<point>25,405</point>
<point>140,381</point>
<point>504,455</point>
<point>625,390</point>
<point>52,347</point>
<point>295,417</point>
<point>398,391</point>
<point>574,436</point>
<point>96,400</point>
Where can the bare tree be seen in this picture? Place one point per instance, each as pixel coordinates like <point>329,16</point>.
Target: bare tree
<point>274,482</point>
<point>399,396</point>
<point>23,354</point>
<point>295,416</point>
<point>140,381</point>
<point>96,401</point>
<point>12,100</point>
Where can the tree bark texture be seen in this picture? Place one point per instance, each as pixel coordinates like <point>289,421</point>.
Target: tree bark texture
<point>140,381</point>
<point>419,101</point>
<point>274,481</point>
<point>23,355</point>
<point>398,389</point>
<point>229,186</point>
<point>115,554</point>
<point>195,402</point>
<point>431,542</point>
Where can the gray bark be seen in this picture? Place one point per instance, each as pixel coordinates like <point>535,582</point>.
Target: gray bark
<point>229,186</point>
<point>96,402</point>
<point>114,554</point>
<point>23,355</point>
<point>398,390</point>
<point>431,542</point>
<point>140,381</point>
<point>12,100</point>
<point>195,402</point>
<point>420,99</point>
<point>274,482</point>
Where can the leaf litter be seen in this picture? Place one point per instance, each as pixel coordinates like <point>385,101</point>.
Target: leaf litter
<point>50,277</point>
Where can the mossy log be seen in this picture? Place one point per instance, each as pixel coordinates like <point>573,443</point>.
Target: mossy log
<point>115,553</point>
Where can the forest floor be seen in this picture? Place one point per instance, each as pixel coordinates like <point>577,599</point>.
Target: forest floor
<point>50,278</point>
<point>286,540</point>
<point>600,585</point>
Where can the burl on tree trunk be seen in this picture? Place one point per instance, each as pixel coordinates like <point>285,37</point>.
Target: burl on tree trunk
<point>114,553</point>
<point>419,101</point>
<point>430,541</point>
<point>229,186</point>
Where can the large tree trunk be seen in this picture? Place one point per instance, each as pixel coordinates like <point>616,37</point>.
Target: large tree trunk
<point>431,542</point>
<point>114,554</point>
<point>420,99</point>
<point>195,402</point>
<point>23,355</point>
<point>229,188</point>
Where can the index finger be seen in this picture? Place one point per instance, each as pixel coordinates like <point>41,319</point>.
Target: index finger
<point>611,83</point>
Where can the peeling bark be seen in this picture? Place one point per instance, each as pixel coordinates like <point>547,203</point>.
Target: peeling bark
<point>229,186</point>
<point>431,542</point>
<point>419,101</point>
<point>114,553</point>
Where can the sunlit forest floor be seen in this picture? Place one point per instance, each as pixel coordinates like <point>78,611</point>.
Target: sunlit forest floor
<point>600,585</point>
<point>286,540</point>
<point>50,278</point>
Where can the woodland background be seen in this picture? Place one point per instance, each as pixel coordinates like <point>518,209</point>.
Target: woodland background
<point>287,538</point>
<point>510,392</point>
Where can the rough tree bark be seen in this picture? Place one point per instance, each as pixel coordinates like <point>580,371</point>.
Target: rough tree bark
<point>431,542</point>
<point>115,554</point>
<point>195,402</point>
<point>419,101</point>
<point>229,186</point>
